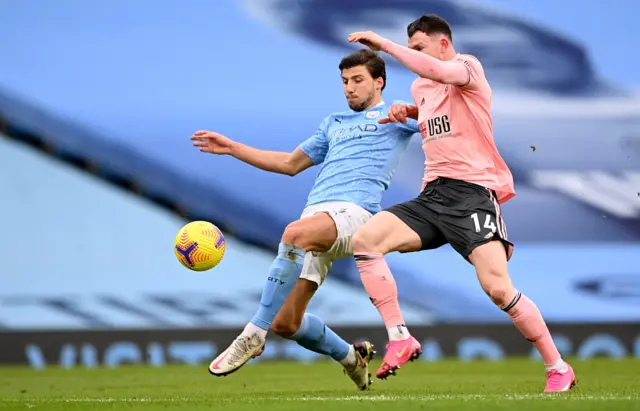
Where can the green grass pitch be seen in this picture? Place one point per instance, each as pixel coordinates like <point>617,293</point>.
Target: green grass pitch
<point>448,385</point>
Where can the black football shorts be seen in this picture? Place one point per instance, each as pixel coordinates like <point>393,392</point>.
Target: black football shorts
<point>462,214</point>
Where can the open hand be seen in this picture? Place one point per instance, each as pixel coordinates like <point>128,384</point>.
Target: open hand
<point>368,38</point>
<point>211,142</point>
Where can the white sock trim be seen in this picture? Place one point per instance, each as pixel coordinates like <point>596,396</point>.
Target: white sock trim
<point>559,365</point>
<point>252,329</point>
<point>398,333</point>
<point>350,359</point>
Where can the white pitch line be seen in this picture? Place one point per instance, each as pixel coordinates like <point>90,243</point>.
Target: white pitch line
<point>353,398</point>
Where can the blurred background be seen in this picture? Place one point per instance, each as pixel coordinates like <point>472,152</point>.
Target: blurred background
<point>97,104</point>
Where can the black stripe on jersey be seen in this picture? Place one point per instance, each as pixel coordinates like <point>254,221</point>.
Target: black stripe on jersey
<point>468,66</point>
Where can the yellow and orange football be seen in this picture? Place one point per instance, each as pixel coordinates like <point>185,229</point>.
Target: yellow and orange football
<point>199,246</point>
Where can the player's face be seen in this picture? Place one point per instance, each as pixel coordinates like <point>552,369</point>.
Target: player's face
<point>360,88</point>
<point>433,45</point>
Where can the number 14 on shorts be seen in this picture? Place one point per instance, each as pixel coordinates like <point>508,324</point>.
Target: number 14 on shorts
<point>487,222</point>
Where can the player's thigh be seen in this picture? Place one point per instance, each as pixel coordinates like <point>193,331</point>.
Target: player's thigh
<point>404,227</point>
<point>289,317</point>
<point>471,218</point>
<point>316,232</point>
<point>316,266</point>
<point>490,262</point>
<point>348,218</point>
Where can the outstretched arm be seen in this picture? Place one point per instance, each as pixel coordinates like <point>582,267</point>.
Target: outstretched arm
<point>456,72</point>
<point>446,72</point>
<point>273,161</point>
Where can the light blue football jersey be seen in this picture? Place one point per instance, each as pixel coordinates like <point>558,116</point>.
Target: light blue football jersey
<point>357,156</point>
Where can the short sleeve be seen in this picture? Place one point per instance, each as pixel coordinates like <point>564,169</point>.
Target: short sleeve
<point>474,68</point>
<point>411,127</point>
<point>317,146</point>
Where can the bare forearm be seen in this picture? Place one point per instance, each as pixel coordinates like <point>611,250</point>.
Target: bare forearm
<point>412,112</point>
<point>273,161</point>
<point>426,66</point>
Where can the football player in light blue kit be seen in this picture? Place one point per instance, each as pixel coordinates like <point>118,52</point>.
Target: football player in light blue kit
<point>357,157</point>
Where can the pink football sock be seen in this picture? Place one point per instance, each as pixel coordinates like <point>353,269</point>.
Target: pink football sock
<point>381,287</point>
<point>527,318</point>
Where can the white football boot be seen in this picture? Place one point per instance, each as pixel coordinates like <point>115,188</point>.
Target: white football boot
<point>241,350</point>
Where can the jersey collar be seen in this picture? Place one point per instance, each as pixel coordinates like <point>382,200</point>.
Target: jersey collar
<point>381,103</point>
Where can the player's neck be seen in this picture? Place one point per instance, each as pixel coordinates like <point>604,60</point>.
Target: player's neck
<point>374,102</point>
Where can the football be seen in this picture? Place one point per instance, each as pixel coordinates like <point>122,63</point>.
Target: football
<point>199,246</point>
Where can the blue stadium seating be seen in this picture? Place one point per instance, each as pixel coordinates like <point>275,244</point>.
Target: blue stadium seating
<point>126,83</point>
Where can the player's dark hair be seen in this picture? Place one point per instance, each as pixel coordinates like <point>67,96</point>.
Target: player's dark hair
<point>430,24</point>
<point>365,57</point>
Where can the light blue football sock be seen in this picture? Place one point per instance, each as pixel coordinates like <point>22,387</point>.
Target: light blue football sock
<point>314,335</point>
<point>283,274</point>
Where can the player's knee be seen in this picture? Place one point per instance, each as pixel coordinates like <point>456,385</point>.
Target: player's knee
<point>500,294</point>
<point>303,235</point>
<point>285,328</point>
<point>362,243</point>
<point>295,235</point>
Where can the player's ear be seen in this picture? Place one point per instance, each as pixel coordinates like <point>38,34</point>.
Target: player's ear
<point>379,83</point>
<point>444,43</point>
